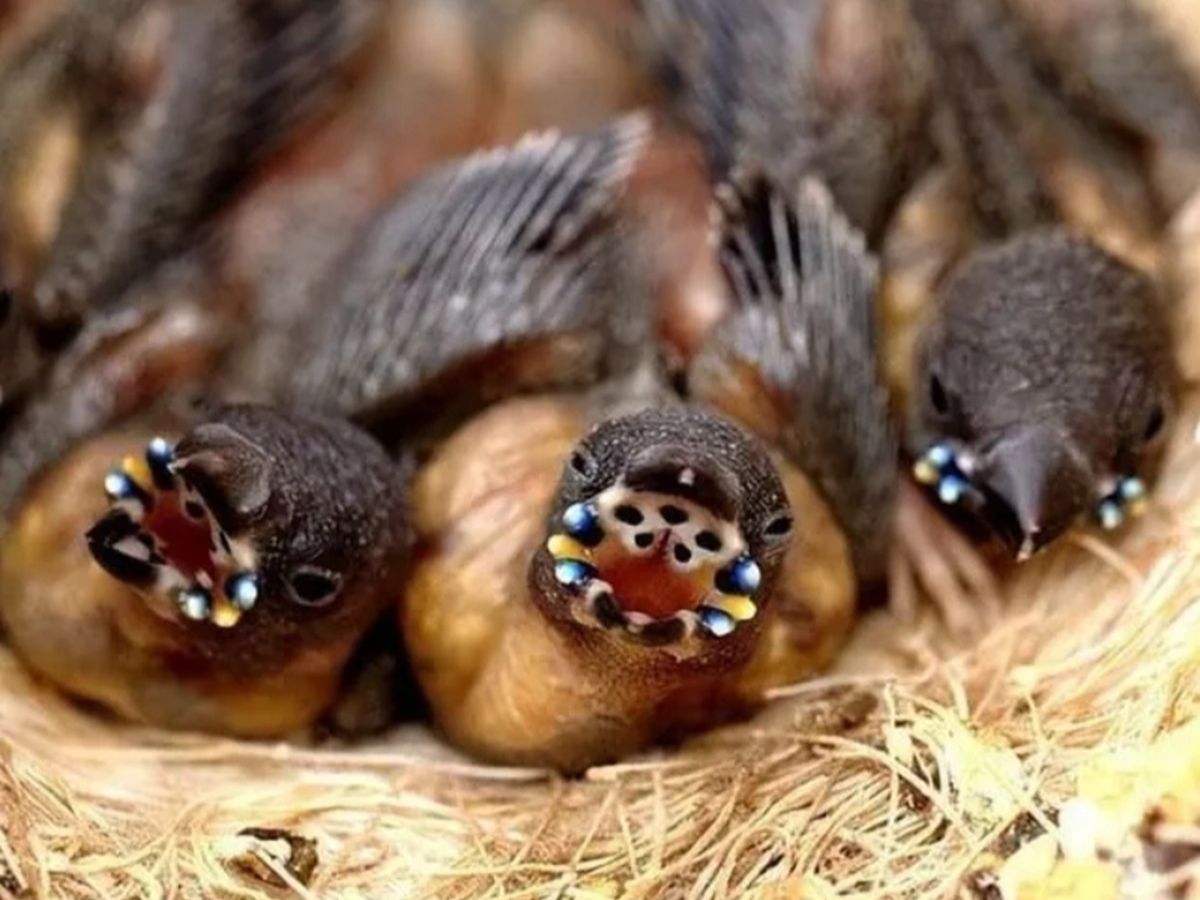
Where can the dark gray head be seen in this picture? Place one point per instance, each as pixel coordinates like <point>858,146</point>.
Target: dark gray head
<point>669,527</point>
<point>262,532</point>
<point>1043,384</point>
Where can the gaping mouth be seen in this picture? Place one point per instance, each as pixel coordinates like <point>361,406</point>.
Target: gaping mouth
<point>161,537</point>
<point>658,566</point>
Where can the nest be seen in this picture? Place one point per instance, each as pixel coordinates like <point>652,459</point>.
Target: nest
<point>1055,754</point>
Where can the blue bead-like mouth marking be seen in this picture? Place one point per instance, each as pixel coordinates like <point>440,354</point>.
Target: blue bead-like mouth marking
<point>718,622</point>
<point>120,487</point>
<point>159,457</point>
<point>195,603</point>
<point>243,590</point>
<point>573,573</point>
<point>941,469</point>
<point>742,576</point>
<point>1126,499</point>
<point>582,522</point>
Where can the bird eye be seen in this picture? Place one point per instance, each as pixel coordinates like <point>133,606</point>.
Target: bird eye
<point>779,526</point>
<point>937,396</point>
<point>1154,424</point>
<point>312,586</point>
<point>583,463</point>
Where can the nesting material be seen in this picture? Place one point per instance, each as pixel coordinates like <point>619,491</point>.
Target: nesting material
<point>1056,753</point>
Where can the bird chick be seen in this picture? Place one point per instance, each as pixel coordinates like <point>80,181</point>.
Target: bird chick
<point>228,594</point>
<point>1044,385</point>
<point>197,536</point>
<point>1037,343</point>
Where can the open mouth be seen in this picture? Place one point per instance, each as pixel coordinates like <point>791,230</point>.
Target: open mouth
<point>656,565</point>
<point>160,537</point>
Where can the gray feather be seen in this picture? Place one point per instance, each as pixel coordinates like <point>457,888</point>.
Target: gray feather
<point>805,287</point>
<point>238,78</point>
<point>751,79</point>
<point>1115,58</point>
<point>1010,117</point>
<point>499,251</point>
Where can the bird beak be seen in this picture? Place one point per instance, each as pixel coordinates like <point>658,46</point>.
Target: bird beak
<point>1036,488</point>
<point>689,473</point>
<point>1030,545</point>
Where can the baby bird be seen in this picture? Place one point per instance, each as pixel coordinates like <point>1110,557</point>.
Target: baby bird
<point>1044,376</point>
<point>229,594</point>
<point>1044,385</point>
<point>185,541</point>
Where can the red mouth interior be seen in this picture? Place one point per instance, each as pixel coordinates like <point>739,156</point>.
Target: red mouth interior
<point>648,584</point>
<point>182,540</point>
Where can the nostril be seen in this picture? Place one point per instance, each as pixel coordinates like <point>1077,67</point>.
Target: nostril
<point>630,515</point>
<point>688,473</point>
<point>673,515</point>
<point>643,539</point>
<point>682,553</point>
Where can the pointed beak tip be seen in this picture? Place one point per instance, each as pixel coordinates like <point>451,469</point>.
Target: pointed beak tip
<point>1038,485</point>
<point>1031,542</point>
<point>1026,551</point>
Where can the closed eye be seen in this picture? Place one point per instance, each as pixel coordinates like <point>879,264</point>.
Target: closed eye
<point>780,526</point>
<point>1155,423</point>
<point>314,586</point>
<point>938,397</point>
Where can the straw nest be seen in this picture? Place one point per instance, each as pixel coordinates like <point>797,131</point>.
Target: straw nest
<point>1058,755</point>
